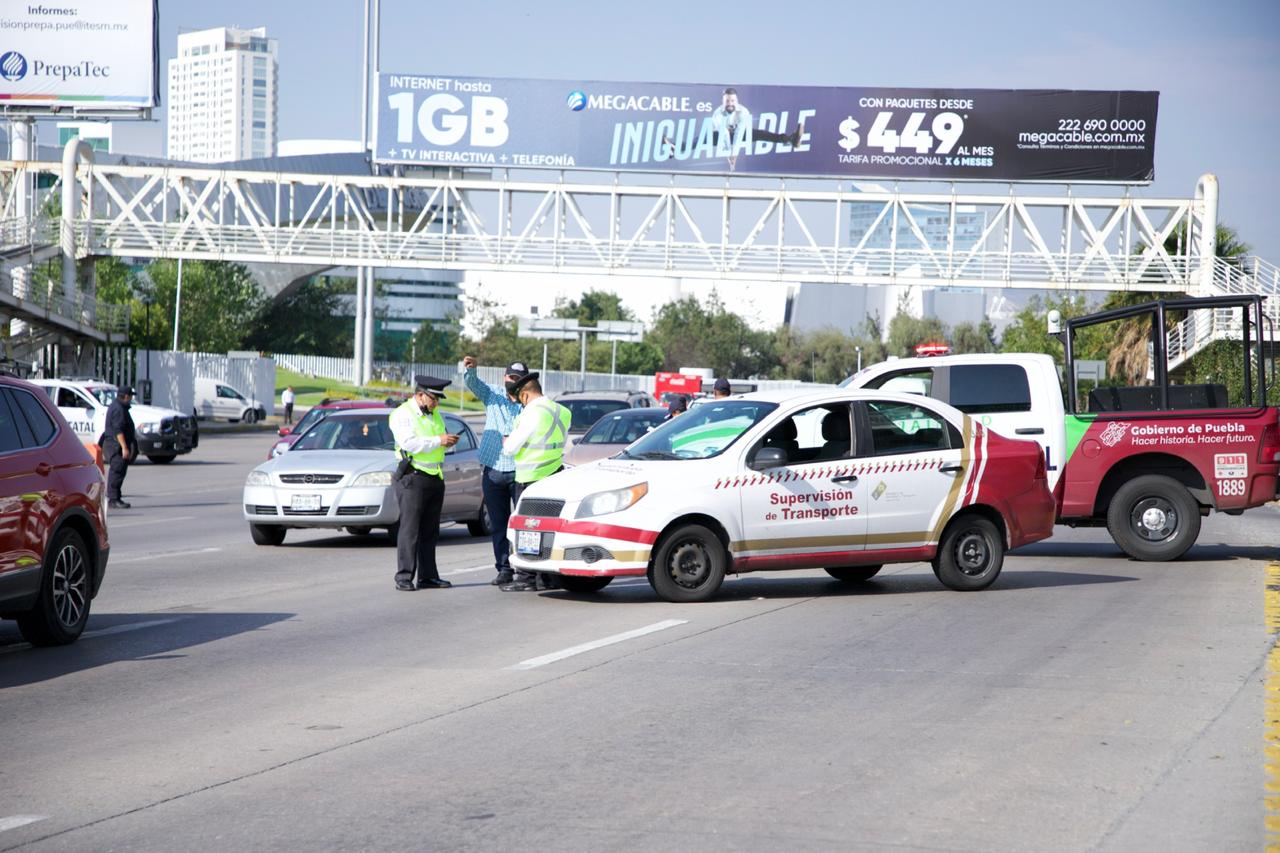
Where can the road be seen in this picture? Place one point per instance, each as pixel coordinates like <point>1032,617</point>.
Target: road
<point>227,696</point>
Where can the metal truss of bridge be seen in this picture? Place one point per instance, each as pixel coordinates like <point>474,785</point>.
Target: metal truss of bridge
<point>784,232</point>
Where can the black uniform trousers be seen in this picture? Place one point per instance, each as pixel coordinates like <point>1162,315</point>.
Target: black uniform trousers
<point>117,467</point>
<point>421,497</point>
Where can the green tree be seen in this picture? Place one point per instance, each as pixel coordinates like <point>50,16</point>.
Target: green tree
<point>307,321</point>
<point>907,332</point>
<point>973,338</point>
<point>432,344</point>
<point>691,334</point>
<point>220,302</point>
<point>594,306</point>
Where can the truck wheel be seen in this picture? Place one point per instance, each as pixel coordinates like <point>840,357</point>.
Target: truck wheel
<point>971,554</point>
<point>570,583</point>
<point>161,458</point>
<point>854,574</point>
<point>62,609</point>
<point>689,565</point>
<point>267,534</point>
<point>1154,518</point>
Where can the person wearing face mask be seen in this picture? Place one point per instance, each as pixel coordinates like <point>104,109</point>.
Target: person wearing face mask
<point>499,474</point>
<point>419,483</point>
<point>536,444</point>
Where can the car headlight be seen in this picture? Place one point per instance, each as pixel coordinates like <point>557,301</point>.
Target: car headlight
<point>602,503</point>
<point>257,478</point>
<point>373,478</point>
<point>149,427</point>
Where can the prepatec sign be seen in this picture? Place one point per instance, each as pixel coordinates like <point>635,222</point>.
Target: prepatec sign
<point>79,56</point>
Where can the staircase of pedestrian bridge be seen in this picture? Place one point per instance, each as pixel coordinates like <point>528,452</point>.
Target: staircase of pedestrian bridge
<point>615,225</point>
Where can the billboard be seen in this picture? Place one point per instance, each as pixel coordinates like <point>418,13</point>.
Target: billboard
<point>805,131</point>
<point>90,57</point>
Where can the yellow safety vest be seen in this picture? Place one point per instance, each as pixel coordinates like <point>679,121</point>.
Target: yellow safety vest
<point>424,426</point>
<point>543,454</point>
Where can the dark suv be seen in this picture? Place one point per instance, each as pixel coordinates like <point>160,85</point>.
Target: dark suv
<point>53,525</point>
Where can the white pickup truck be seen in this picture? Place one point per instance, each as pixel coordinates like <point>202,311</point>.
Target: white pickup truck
<point>163,434</point>
<point>1147,462</point>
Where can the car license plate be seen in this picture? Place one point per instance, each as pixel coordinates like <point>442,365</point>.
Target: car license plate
<point>305,503</point>
<point>528,542</point>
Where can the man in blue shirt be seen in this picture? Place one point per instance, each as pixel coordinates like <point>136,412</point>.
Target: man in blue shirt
<point>499,481</point>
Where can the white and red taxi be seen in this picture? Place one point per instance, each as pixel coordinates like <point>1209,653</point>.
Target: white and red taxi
<point>841,480</point>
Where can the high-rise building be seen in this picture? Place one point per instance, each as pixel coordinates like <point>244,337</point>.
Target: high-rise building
<point>222,96</point>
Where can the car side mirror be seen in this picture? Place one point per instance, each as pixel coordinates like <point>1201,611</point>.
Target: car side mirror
<point>284,430</point>
<point>768,457</point>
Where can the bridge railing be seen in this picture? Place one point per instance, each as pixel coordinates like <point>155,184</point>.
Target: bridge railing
<point>44,295</point>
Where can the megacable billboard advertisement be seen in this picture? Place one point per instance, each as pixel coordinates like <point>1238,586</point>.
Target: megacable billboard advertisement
<point>88,55</point>
<point>929,134</point>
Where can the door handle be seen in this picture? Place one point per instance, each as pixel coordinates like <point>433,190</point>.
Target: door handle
<point>847,478</point>
<point>43,469</point>
<point>1029,431</point>
<point>951,469</point>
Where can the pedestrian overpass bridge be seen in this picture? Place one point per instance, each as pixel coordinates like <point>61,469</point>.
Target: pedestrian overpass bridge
<point>1051,237</point>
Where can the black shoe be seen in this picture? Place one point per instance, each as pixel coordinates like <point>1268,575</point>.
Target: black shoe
<point>520,586</point>
<point>503,578</point>
<point>405,586</point>
<point>434,583</point>
<point>119,504</point>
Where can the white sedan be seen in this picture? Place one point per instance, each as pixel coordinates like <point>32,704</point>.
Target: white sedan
<point>846,481</point>
<point>338,474</point>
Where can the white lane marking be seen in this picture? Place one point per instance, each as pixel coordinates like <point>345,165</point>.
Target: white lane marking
<point>533,663</point>
<point>17,820</point>
<point>131,626</point>
<point>111,526</point>
<point>467,571</point>
<point>101,632</point>
<point>115,562</point>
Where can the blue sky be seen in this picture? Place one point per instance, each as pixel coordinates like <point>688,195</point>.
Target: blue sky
<point>1216,65</point>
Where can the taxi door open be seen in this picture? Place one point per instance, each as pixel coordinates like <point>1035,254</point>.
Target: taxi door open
<point>912,463</point>
<point>809,511</point>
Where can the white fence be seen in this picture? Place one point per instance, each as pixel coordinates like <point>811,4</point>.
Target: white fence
<point>553,381</point>
<point>173,376</point>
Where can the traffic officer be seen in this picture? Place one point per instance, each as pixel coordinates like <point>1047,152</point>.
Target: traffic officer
<point>119,445</point>
<point>721,389</point>
<point>536,443</point>
<point>419,483</point>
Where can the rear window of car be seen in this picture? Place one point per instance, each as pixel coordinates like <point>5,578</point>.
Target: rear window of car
<point>986,388</point>
<point>42,426</point>
<point>586,412</point>
<point>9,440</point>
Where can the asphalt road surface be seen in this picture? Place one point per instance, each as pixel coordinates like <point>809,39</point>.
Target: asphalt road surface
<point>233,697</point>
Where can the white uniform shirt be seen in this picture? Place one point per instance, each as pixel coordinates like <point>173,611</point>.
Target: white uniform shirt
<point>407,438</point>
<point>286,397</point>
<point>525,426</point>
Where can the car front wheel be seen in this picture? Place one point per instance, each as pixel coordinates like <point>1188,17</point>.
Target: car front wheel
<point>971,554</point>
<point>250,416</point>
<point>689,565</point>
<point>854,574</point>
<point>161,458</point>
<point>62,610</point>
<point>267,534</point>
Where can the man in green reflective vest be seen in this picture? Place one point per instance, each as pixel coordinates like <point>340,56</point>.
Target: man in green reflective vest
<point>536,443</point>
<point>419,482</point>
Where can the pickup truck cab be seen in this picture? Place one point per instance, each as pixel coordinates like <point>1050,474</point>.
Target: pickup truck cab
<point>163,434</point>
<point>1146,472</point>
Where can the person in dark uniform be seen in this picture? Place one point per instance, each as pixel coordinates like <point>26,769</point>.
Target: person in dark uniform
<point>119,445</point>
<point>419,482</point>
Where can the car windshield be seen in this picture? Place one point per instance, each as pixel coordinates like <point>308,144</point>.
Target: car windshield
<point>622,427</point>
<point>586,411</point>
<point>310,419</point>
<point>702,432</point>
<point>348,432</point>
<point>106,396</point>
